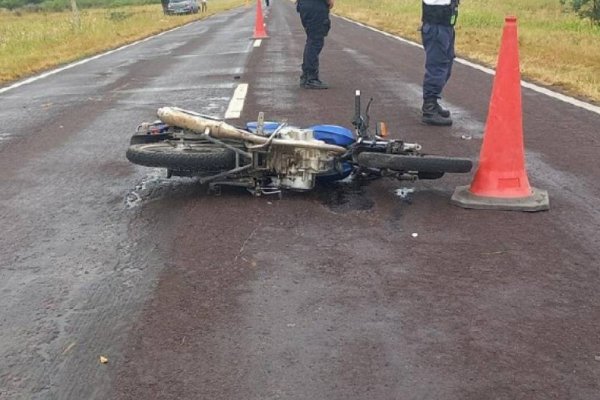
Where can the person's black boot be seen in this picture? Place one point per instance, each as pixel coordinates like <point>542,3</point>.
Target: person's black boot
<point>315,83</point>
<point>303,80</point>
<point>442,111</point>
<point>432,114</point>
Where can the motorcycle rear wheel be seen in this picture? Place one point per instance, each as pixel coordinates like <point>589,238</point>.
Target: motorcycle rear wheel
<point>197,156</point>
<point>145,138</point>
<point>415,163</point>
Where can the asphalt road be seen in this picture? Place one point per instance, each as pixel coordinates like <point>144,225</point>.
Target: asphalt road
<point>324,295</point>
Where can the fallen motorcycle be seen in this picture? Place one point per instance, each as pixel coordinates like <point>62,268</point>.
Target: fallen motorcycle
<point>269,157</point>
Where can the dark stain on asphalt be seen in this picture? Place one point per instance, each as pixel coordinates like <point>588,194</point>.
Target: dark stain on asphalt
<point>344,197</point>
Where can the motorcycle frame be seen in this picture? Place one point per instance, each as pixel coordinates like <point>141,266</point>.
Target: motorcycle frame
<point>365,141</point>
<point>251,183</point>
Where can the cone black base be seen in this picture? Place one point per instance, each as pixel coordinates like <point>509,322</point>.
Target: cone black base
<point>538,201</point>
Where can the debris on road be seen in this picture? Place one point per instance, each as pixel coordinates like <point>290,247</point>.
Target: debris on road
<point>103,360</point>
<point>404,192</point>
<point>69,347</point>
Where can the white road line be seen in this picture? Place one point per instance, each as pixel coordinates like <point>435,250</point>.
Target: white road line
<point>257,42</point>
<point>236,105</point>
<point>558,96</point>
<point>74,64</point>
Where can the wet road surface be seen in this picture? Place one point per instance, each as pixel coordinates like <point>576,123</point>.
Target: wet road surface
<point>324,295</point>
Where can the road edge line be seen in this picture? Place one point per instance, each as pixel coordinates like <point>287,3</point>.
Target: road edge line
<point>532,86</point>
<point>95,57</point>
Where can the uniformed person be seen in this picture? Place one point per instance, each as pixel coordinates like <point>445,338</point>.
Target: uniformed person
<point>314,15</point>
<point>438,19</point>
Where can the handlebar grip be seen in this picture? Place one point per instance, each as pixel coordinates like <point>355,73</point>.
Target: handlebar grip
<point>357,105</point>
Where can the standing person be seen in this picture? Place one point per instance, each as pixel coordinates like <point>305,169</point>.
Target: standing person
<point>203,6</point>
<point>267,3</point>
<point>314,15</point>
<point>437,30</point>
<point>165,4</point>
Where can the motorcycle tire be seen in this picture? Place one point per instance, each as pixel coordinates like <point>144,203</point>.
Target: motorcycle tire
<point>198,156</point>
<point>415,163</point>
<point>145,138</point>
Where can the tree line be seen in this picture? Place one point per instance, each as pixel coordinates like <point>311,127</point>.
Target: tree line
<point>589,9</point>
<point>59,5</point>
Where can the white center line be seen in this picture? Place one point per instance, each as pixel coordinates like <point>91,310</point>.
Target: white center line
<point>236,105</point>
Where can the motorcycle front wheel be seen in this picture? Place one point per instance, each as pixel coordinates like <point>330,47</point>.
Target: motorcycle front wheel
<point>197,156</point>
<point>415,163</point>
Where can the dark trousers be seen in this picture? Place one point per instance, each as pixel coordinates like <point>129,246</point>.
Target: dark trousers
<point>438,41</point>
<point>315,20</point>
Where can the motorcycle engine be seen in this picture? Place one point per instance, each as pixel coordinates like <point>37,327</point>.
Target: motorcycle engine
<point>297,167</point>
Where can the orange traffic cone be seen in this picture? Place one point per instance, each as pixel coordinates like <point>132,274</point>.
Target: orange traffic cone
<point>259,27</point>
<point>501,182</point>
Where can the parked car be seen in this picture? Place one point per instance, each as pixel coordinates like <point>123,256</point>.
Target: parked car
<point>182,7</point>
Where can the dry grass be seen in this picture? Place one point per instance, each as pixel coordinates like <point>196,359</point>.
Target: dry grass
<point>33,42</point>
<point>556,48</point>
